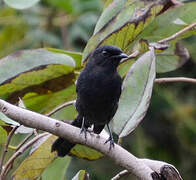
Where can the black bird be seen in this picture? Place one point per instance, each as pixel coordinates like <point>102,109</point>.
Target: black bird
<point>98,90</point>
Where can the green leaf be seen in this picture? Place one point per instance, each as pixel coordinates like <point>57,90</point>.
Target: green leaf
<point>172,58</point>
<point>124,67</point>
<point>81,175</point>
<point>136,94</point>
<point>43,103</point>
<point>121,22</point>
<point>21,4</point>
<point>31,68</point>
<point>75,55</point>
<point>112,9</point>
<point>168,23</point>
<point>59,166</point>
<point>2,123</point>
<point>85,152</point>
<point>66,113</point>
<point>3,135</point>
<point>33,166</point>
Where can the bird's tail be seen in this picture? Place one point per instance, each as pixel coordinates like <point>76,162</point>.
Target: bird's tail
<point>63,146</point>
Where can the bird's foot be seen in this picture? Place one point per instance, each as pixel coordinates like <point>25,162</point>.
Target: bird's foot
<point>111,140</point>
<point>85,131</point>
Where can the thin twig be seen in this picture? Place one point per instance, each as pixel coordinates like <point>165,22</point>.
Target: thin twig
<point>19,152</point>
<point>174,36</point>
<point>60,107</point>
<point>120,174</point>
<point>24,141</point>
<point>175,79</point>
<point>6,146</point>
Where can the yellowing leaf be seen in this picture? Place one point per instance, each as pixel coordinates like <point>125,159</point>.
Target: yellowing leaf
<point>33,166</point>
<point>124,21</point>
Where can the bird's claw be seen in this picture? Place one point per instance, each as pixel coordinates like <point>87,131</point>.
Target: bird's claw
<point>111,140</point>
<point>85,130</point>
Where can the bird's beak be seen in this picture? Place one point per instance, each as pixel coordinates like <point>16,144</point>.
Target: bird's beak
<point>123,55</point>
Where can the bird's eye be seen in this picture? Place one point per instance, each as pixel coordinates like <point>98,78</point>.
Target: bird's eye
<point>105,53</point>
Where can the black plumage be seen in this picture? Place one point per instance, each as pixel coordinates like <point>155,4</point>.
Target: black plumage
<point>98,90</point>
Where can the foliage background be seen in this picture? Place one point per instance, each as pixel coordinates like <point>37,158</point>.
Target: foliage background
<point>168,131</point>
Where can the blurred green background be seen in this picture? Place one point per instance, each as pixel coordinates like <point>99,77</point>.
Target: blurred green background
<point>167,133</point>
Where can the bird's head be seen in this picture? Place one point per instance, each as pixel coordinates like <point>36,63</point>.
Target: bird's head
<point>107,56</point>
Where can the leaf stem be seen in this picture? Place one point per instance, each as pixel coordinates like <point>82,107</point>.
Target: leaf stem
<point>24,141</point>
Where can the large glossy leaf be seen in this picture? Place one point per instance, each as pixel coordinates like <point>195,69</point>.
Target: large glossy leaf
<point>121,22</point>
<point>21,4</point>
<point>29,69</point>
<point>136,94</point>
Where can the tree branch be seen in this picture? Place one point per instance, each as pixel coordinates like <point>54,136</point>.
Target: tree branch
<point>117,154</point>
<point>158,166</point>
<point>176,79</point>
<point>166,170</point>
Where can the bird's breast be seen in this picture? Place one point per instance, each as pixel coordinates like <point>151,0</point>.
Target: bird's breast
<point>99,85</point>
